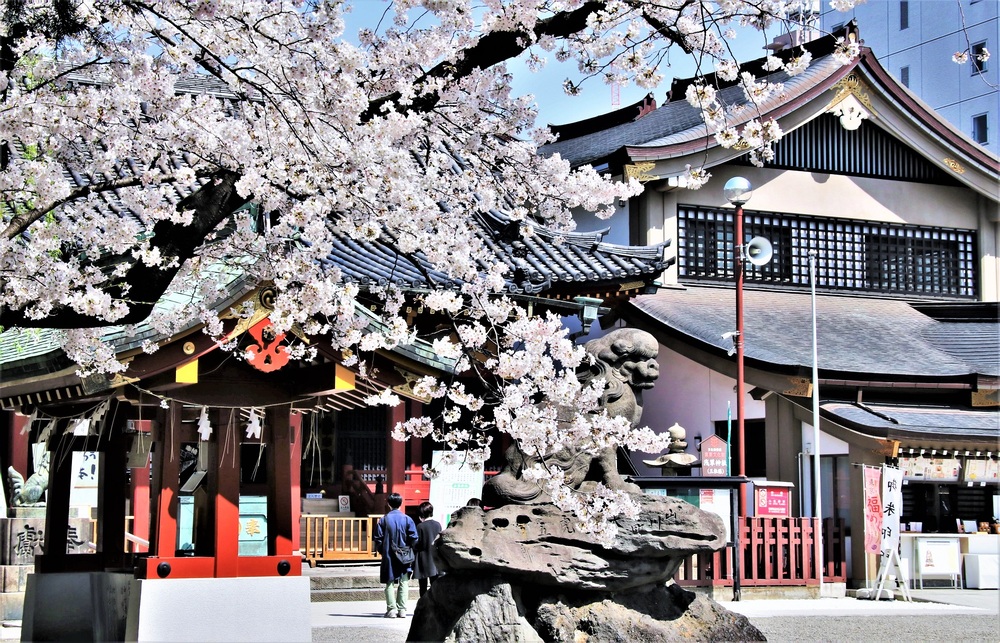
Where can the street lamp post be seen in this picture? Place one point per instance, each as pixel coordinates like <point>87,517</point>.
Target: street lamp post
<point>817,473</point>
<point>738,191</point>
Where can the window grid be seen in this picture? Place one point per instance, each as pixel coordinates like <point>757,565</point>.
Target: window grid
<point>850,254</point>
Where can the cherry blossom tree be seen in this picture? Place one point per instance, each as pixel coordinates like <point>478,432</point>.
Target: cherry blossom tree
<point>186,112</point>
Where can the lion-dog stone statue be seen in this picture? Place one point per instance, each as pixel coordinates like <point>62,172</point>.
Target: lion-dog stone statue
<point>523,571</point>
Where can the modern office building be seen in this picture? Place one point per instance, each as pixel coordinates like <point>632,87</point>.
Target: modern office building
<point>915,41</point>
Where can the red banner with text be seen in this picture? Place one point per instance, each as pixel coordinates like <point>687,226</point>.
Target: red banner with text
<point>873,510</point>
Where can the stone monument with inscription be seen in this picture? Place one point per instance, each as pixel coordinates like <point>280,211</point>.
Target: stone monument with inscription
<point>22,534</point>
<point>523,571</point>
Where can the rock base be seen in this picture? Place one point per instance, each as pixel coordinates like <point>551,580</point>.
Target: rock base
<point>462,607</point>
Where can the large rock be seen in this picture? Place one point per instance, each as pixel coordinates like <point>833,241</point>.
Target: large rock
<point>465,608</point>
<point>539,544</point>
<point>524,572</point>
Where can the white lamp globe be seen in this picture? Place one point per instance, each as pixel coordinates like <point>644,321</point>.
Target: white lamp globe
<point>737,190</point>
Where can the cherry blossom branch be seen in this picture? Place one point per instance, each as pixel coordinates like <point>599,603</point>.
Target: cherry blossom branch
<point>21,222</point>
<point>214,203</point>
<point>489,50</point>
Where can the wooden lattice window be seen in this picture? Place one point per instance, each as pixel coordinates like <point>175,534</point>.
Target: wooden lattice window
<point>850,254</point>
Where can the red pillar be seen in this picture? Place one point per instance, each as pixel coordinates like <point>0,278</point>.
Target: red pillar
<point>19,443</point>
<point>395,453</point>
<point>295,472</point>
<point>140,488</point>
<point>227,496</point>
<point>166,480</point>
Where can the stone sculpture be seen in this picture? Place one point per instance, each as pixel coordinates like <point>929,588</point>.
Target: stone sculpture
<point>626,359</point>
<point>524,572</point>
<point>25,493</point>
<point>676,458</point>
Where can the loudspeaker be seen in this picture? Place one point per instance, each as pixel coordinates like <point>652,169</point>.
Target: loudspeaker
<point>759,251</point>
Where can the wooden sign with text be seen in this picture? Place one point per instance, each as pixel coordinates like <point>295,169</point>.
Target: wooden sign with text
<point>714,457</point>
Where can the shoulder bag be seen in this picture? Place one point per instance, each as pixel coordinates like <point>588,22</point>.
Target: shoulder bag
<point>403,555</point>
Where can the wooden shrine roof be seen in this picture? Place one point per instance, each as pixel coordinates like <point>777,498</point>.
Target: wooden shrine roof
<point>675,134</point>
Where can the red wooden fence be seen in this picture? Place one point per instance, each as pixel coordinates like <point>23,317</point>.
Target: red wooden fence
<point>776,551</point>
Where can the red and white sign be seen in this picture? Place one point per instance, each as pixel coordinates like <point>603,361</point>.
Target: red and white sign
<point>772,501</point>
<point>714,461</point>
<point>873,510</point>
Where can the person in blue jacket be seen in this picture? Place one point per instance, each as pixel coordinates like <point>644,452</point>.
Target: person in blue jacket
<point>395,529</point>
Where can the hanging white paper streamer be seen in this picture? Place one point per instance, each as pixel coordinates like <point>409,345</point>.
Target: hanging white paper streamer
<point>97,417</point>
<point>79,427</point>
<point>253,426</point>
<point>47,431</point>
<point>204,425</point>
<point>31,420</point>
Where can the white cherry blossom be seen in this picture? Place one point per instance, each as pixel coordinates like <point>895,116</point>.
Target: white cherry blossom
<point>189,142</point>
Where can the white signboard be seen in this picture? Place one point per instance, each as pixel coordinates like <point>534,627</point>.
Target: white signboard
<point>83,488</point>
<point>923,467</point>
<point>938,556</point>
<point>455,484</point>
<point>717,501</point>
<point>892,506</point>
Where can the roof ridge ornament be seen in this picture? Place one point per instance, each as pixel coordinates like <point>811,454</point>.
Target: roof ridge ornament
<point>953,165</point>
<point>851,102</point>
<point>641,171</point>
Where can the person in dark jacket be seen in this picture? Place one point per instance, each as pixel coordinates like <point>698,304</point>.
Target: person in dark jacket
<point>426,570</point>
<point>395,529</point>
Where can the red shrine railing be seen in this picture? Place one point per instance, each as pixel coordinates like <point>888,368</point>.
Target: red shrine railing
<point>776,551</point>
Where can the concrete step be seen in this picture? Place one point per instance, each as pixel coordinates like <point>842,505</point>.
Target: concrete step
<point>349,583</point>
<point>356,594</point>
<point>318,583</point>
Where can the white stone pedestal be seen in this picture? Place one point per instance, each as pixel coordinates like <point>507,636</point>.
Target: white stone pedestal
<point>106,606</point>
<point>220,609</point>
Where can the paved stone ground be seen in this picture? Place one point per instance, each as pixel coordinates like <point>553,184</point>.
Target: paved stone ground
<point>872,629</point>
<point>784,629</point>
<point>962,615</point>
<point>944,615</point>
<point>968,616</point>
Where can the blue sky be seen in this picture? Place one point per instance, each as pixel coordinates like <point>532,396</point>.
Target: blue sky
<point>554,106</point>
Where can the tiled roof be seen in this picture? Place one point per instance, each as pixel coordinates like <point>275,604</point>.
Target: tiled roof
<point>537,262</point>
<point>609,119</point>
<point>914,422</point>
<point>32,352</point>
<point>678,122</point>
<point>857,337</point>
<point>25,352</point>
<point>676,129</point>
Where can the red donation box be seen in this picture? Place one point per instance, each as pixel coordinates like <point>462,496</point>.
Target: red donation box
<point>772,499</point>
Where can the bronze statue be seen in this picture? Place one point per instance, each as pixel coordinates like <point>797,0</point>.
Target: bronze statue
<point>29,492</point>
